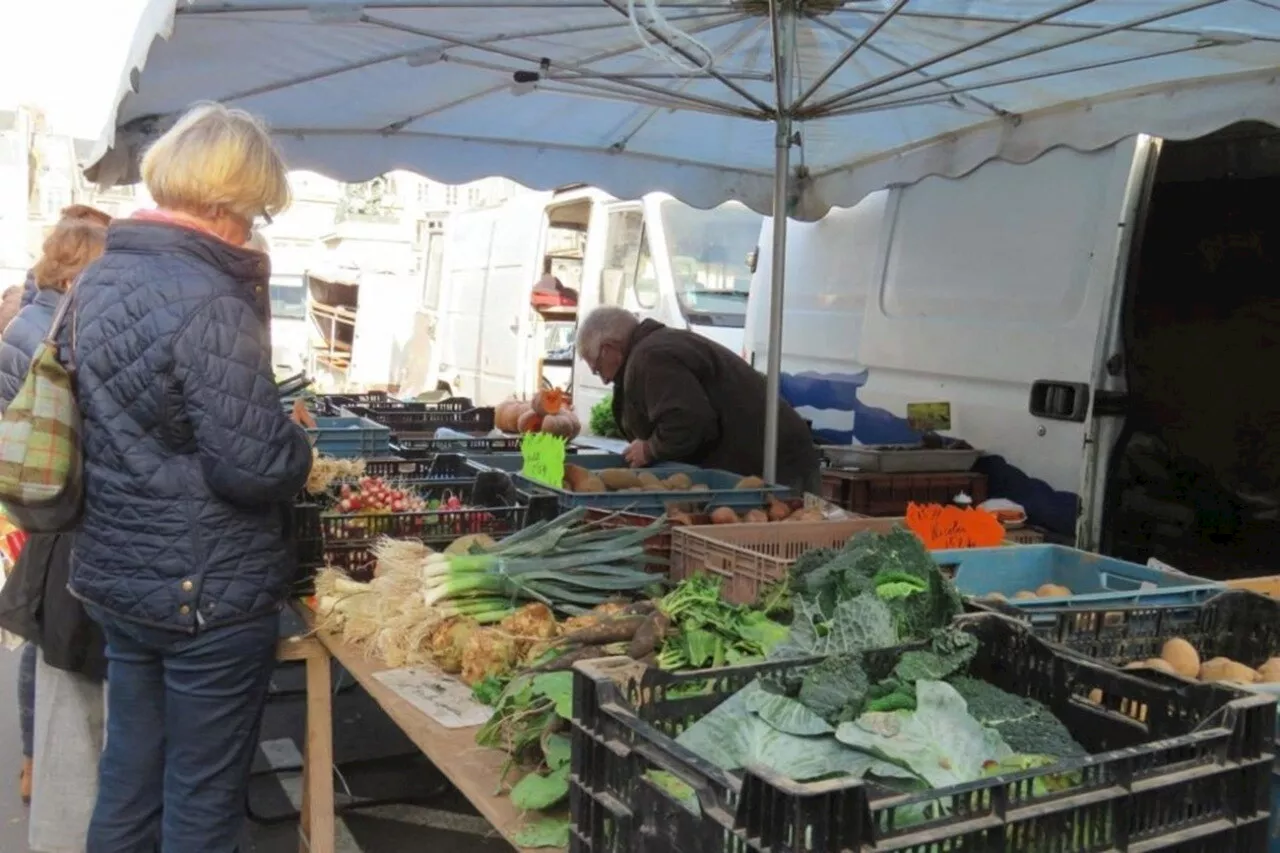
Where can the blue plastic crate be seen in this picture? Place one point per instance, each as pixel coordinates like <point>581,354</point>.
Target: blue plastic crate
<point>719,489</point>
<point>1093,579</point>
<point>591,460</point>
<point>349,437</point>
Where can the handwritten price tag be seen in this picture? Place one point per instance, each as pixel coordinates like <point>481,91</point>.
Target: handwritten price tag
<point>543,456</point>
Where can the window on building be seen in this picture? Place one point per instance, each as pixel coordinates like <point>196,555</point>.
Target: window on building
<point>473,196</point>
<point>288,300</point>
<point>451,196</point>
<point>433,266</point>
<point>55,199</point>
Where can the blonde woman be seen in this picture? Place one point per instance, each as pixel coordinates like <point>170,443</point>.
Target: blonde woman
<point>65,647</point>
<point>190,463</point>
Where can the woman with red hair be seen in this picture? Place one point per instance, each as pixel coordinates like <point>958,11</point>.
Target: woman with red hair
<point>60,680</point>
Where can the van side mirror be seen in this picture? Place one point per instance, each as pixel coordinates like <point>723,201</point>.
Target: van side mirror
<point>753,257</point>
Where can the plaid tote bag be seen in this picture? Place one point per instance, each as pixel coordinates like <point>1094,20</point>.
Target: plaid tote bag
<point>41,464</point>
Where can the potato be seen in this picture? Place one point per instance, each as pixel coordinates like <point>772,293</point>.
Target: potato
<point>995,596</point>
<point>1023,595</point>
<point>575,477</point>
<point>1095,696</point>
<point>724,515</point>
<point>750,483</point>
<point>592,485</point>
<point>679,482</point>
<point>1225,669</point>
<point>1269,672</point>
<point>650,482</point>
<point>1052,590</point>
<point>696,487</point>
<point>756,516</point>
<point>778,511</point>
<point>618,479</point>
<point>1182,656</point>
<point>1160,664</point>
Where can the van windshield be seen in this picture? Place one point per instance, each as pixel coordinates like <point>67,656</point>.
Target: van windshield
<point>710,260</point>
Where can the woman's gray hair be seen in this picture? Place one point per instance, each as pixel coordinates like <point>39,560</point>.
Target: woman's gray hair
<point>605,325</point>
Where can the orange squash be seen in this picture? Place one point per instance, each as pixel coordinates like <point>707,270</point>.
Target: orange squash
<point>563,423</point>
<point>530,421</point>
<point>550,402</point>
<point>506,416</point>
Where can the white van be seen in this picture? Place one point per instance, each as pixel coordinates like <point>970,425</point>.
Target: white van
<point>658,257</point>
<point>1102,324</point>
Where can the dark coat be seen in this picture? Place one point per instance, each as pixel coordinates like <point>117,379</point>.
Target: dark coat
<point>21,338</point>
<point>36,603</point>
<point>29,289</point>
<point>694,401</point>
<point>190,460</point>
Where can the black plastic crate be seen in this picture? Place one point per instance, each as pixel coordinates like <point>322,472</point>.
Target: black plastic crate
<point>1237,624</point>
<point>1193,774</point>
<point>413,418</point>
<point>331,404</point>
<point>424,448</point>
<point>432,526</point>
<point>346,541</point>
<point>439,468</point>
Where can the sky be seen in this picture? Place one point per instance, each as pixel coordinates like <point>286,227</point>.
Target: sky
<point>67,58</point>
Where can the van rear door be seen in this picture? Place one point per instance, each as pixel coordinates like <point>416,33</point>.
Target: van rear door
<point>829,270</point>
<point>491,267</point>
<point>989,303</point>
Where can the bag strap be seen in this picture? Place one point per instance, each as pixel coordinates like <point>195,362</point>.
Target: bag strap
<point>65,306</point>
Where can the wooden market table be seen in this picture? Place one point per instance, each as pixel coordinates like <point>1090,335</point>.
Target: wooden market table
<point>473,770</point>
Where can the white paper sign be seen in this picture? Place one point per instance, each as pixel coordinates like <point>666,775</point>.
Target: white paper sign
<point>441,697</point>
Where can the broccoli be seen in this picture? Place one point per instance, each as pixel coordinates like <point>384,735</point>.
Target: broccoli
<point>1025,724</point>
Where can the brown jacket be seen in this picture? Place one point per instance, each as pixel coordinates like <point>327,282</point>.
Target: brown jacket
<point>695,401</point>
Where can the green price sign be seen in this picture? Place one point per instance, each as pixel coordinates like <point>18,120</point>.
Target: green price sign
<point>543,456</point>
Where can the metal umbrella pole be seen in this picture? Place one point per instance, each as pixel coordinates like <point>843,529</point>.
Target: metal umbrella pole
<point>782,22</point>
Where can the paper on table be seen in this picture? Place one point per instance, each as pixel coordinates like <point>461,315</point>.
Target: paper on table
<point>441,697</point>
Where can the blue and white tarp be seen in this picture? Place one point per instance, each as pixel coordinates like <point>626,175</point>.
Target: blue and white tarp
<point>681,95</point>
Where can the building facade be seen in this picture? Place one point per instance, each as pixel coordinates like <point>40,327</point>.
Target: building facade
<point>355,267</point>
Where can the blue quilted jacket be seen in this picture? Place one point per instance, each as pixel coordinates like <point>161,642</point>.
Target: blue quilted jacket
<point>190,460</point>
<point>29,289</point>
<point>21,338</point>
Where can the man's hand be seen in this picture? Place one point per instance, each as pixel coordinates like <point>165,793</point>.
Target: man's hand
<point>638,454</point>
<point>301,416</point>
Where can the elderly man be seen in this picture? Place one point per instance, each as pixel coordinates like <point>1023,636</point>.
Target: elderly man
<point>680,397</point>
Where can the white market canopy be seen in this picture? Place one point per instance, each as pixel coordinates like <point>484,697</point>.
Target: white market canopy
<point>790,106</point>
<point>684,96</point>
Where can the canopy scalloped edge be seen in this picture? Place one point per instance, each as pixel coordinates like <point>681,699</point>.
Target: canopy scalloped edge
<point>1180,110</point>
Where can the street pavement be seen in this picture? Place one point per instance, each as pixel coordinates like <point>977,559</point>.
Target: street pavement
<point>376,763</point>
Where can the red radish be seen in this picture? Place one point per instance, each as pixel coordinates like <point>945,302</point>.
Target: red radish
<point>344,506</point>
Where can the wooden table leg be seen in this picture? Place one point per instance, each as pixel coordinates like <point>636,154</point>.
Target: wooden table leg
<point>316,819</point>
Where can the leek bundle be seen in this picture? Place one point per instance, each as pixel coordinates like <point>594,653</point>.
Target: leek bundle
<point>567,564</point>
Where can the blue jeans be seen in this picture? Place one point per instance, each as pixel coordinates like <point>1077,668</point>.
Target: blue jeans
<point>182,727</point>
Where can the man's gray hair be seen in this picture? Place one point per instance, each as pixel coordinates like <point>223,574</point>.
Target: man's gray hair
<point>605,325</point>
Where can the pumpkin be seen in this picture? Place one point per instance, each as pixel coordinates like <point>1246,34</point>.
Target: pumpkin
<point>563,423</point>
<point>530,421</point>
<point>506,416</point>
<point>550,402</point>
